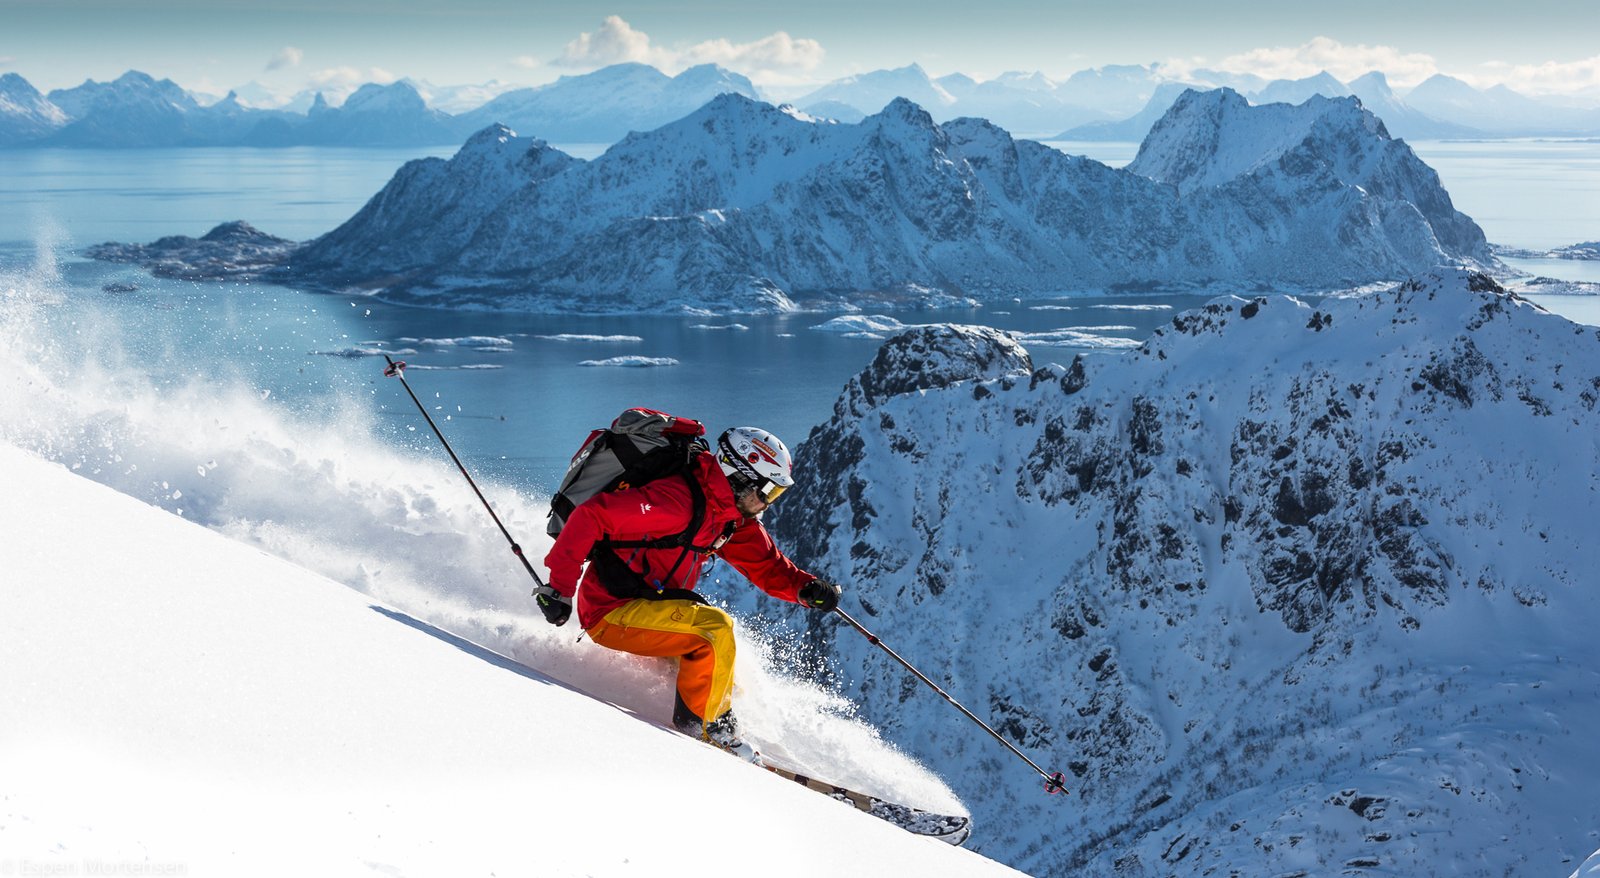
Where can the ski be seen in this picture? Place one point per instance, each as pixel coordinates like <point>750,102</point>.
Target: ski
<point>947,828</point>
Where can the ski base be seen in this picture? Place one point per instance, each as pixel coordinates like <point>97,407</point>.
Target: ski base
<point>948,828</point>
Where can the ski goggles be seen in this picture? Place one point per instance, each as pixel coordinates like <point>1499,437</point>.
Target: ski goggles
<point>769,491</point>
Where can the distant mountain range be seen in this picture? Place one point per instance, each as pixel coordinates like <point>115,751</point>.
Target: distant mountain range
<point>1440,108</point>
<point>1117,102</point>
<point>742,206</point>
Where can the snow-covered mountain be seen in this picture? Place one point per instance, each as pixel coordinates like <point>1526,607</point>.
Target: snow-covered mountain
<point>207,709</point>
<point>137,110</point>
<point>1135,127</point>
<point>603,106</point>
<point>1498,110</point>
<point>1400,119</point>
<point>1115,89</point>
<point>1030,103</point>
<point>1290,589</point>
<point>25,114</point>
<point>1215,143</point>
<point>745,206</point>
<point>1403,120</point>
<point>133,110</point>
<point>375,115</point>
<point>1298,91</point>
<point>871,92</point>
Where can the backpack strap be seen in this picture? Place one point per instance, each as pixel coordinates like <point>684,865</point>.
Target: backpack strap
<point>697,517</point>
<point>631,584</point>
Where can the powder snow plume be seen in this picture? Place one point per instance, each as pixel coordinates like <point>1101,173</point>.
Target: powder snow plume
<point>322,489</point>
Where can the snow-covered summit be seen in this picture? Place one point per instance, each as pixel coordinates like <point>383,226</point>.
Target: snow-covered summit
<point>25,114</point>
<point>1292,585</point>
<point>1208,138</point>
<point>606,104</point>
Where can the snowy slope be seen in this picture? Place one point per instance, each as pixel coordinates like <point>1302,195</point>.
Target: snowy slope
<point>1289,589</point>
<point>744,206</point>
<point>316,486</point>
<point>25,114</point>
<point>174,697</point>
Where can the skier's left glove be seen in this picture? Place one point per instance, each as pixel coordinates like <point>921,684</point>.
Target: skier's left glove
<point>820,594</point>
<point>557,608</point>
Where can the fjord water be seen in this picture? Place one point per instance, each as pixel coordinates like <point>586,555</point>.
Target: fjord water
<point>515,411</point>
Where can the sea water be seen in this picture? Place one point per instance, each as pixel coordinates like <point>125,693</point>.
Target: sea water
<point>517,397</point>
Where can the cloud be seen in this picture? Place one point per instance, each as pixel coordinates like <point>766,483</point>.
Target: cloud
<point>1551,77</point>
<point>617,42</point>
<point>1322,53</point>
<point>526,62</point>
<point>288,56</point>
<point>776,52</point>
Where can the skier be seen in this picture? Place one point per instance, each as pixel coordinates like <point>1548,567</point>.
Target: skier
<point>642,599</point>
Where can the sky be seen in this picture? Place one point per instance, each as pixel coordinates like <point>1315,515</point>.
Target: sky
<point>211,46</point>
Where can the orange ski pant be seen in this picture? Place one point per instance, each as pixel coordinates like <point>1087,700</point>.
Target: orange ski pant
<point>699,637</point>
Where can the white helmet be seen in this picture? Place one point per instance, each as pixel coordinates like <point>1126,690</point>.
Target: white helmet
<point>753,458</point>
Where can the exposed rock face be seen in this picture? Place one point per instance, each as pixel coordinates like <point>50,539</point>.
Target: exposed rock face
<point>1288,585</point>
<point>744,206</point>
<point>231,251</point>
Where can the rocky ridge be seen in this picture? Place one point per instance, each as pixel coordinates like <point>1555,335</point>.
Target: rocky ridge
<point>1300,586</point>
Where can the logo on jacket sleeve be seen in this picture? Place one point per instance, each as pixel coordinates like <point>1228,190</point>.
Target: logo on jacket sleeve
<point>644,508</point>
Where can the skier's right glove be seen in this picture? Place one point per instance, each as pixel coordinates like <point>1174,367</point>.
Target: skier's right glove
<point>820,594</point>
<point>557,608</point>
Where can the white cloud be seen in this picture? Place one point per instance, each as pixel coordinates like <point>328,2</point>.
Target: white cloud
<point>617,42</point>
<point>526,62</point>
<point>288,56</point>
<point>1322,53</point>
<point>1551,77</point>
<point>772,53</point>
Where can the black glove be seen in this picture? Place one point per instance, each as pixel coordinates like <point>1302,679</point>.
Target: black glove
<point>820,594</point>
<point>557,608</point>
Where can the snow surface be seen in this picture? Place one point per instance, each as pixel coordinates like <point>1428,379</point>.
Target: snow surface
<point>226,699</point>
<point>176,699</point>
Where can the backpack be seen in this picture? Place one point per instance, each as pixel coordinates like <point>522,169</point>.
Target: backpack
<point>641,446</point>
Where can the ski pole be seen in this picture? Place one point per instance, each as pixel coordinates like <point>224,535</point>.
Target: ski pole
<point>397,369</point>
<point>1053,783</point>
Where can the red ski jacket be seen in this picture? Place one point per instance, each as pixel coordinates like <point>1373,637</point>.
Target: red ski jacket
<point>659,509</point>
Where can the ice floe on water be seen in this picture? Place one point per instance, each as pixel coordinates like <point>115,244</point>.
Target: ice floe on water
<point>632,362</point>
<point>1100,307</point>
<point>575,336</point>
<point>364,350</point>
<point>476,342</point>
<point>734,327</point>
